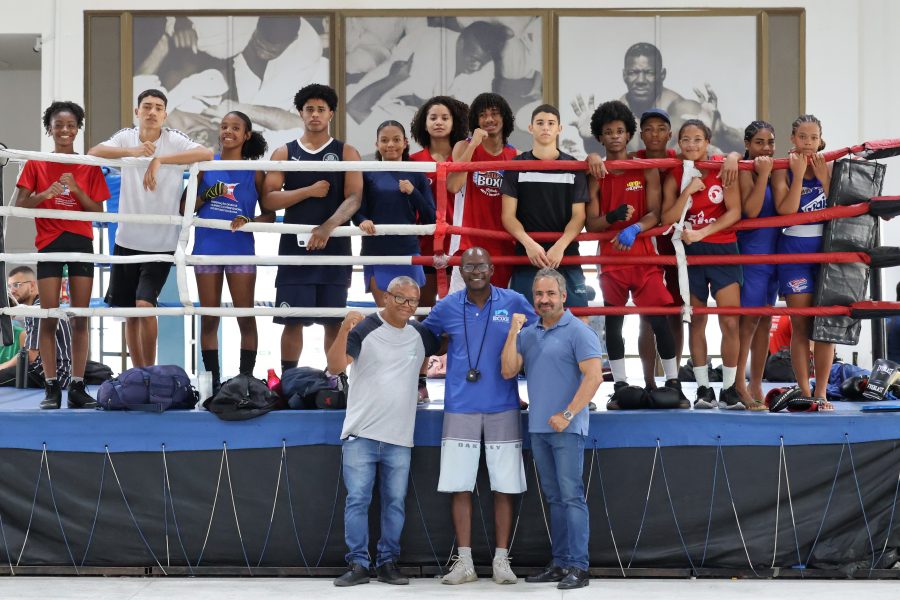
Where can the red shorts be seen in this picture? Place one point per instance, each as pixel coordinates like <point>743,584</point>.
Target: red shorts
<point>646,287</point>
<point>665,248</point>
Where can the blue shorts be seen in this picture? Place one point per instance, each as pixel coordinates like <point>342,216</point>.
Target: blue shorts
<point>576,288</point>
<point>798,278</point>
<point>383,275</point>
<point>703,279</point>
<point>760,287</point>
<point>310,295</point>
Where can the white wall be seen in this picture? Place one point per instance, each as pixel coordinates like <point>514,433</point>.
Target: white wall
<point>852,77</point>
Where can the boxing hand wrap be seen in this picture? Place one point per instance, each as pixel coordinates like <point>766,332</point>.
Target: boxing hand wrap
<point>885,373</point>
<point>214,191</point>
<point>626,236</point>
<point>620,213</point>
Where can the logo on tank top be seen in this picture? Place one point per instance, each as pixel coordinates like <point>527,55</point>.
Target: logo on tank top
<point>817,203</point>
<point>700,219</point>
<point>331,156</point>
<point>716,194</point>
<point>634,186</point>
<point>488,182</point>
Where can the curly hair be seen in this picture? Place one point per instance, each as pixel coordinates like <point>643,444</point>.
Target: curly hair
<point>255,147</point>
<point>63,106</point>
<point>316,91</point>
<point>392,123</point>
<point>609,112</point>
<point>459,113</point>
<point>486,101</point>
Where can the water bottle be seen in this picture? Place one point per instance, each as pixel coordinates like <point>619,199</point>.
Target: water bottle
<point>204,385</point>
<point>273,382</point>
<point>22,368</point>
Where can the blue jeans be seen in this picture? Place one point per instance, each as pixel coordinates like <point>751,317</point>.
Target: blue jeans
<point>560,461</point>
<point>361,457</point>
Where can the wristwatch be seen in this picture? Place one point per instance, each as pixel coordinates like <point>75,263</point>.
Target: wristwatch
<point>567,415</point>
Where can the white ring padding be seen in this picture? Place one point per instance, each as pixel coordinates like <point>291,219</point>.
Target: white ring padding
<point>177,220</point>
<point>177,311</point>
<point>204,259</point>
<point>230,165</point>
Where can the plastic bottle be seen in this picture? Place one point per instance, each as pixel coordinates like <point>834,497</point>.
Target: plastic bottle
<point>273,382</point>
<point>64,286</point>
<point>22,368</point>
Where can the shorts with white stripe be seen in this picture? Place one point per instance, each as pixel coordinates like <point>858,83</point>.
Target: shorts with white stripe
<point>461,451</point>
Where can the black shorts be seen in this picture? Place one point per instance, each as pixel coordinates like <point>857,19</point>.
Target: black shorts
<point>704,279</point>
<point>129,283</point>
<point>310,295</point>
<point>67,242</point>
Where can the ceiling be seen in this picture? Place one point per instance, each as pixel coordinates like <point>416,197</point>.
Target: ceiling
<point>17,52</point>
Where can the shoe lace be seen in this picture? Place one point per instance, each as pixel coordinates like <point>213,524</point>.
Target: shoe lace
<point>503,562</point>
<point>457,562</point>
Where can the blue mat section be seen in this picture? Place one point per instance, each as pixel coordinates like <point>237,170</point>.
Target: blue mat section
<point>24,426</point>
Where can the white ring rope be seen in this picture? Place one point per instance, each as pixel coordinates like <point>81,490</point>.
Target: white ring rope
<point>206,259</point>
<point>66,312</point>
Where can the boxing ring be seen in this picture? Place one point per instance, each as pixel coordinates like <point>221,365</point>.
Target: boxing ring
<point>671,493</point>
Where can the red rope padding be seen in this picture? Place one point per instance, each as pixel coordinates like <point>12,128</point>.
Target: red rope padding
<point>812,311</point>
<point>828,214</point>
<point>711,259</point>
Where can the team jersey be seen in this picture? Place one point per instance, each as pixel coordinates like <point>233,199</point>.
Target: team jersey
<point>240,199</point>
<point>481,204</point>
<point>314,211</point>
<point>426,242</point>
<point>761,240</point>
<point>384,204</point>
<point>670,153</point>
<point>707,206</point>
<point>624,188</point>
<point>812,198</point>
<point>38,175</point>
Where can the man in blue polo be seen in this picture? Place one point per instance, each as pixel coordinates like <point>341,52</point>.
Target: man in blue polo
<point>561,356</point>
<point>479,402</point>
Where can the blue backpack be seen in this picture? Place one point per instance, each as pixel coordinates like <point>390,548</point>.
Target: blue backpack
<point>152,389</point>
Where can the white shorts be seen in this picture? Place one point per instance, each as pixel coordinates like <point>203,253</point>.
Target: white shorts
<point>461,451</point>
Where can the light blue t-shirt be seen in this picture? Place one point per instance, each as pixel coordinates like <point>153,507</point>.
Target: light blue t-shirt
<point>486,330</point>
<point>551,365</point>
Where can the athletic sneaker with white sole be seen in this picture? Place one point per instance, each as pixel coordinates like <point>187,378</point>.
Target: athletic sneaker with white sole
<point>503,571</point>
<point>460,572</point>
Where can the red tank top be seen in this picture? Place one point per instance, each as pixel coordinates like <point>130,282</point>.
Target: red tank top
<point>624,188</point>
<point>426,242</point>
<point>707,206</point>
<point>670,153</point>
<point>483,201</point>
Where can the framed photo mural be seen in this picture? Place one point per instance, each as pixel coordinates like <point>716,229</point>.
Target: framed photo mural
<point>692,66</point>
<point>210,65</point>
<point>393,64</point>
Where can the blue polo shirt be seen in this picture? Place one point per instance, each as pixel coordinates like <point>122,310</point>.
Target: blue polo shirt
<point>551,364</point>
<point>459,318</point>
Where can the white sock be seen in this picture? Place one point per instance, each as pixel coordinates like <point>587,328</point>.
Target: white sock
<point>728,375</point>
<point>500,553</point>
<point>465,555</point>
<point>670,368</point>
<point>618,370</point>
<point>701,374</point>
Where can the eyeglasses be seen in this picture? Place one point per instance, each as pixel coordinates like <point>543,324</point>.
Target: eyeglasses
<point>16,285</point>
<point>413,302</point>
<point>475,267</point>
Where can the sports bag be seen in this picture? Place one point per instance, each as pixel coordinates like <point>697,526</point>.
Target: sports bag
<point>243,397</point>
<point>151,389</point>
<point>309,388</point>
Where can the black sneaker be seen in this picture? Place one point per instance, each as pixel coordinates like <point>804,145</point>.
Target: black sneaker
<point>52,395</point>
<point>78,396</point>
<point>674,384</point>
<point>389,573</point>
<point>612,404</point>
<point>356,575</point>
<point>574,579</point>
<point>706,398</point>
<point>729,399</point>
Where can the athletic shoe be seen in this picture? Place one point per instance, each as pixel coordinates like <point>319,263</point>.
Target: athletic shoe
<point>461,571</point>
<point>356,575</point>
<point>78,396</point>
<point>706,398</point>
<point>729,399</point>
<point>503,571</point>
<point>674,384</point>
<point>612,404</point>
<point>389,573</point>
<point>52,395</point>
<point>423,393</point>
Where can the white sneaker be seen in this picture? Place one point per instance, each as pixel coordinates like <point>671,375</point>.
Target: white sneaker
<point>460,572</point>
<point>502,571</point>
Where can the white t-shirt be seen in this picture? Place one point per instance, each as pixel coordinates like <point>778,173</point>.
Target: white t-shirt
<point>165,200</point>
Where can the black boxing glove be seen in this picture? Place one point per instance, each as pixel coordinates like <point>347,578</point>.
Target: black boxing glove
<point>853,387</point>
<point>619,214</point>
<point>885,373</point>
